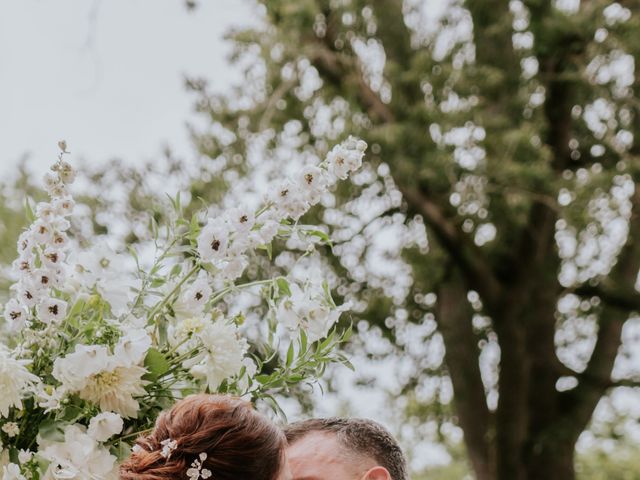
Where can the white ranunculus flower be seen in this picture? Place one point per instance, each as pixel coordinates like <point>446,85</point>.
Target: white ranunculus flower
<point>105,425</point>
<point>222,355</point>
<point>15,381</point>
<point>78,457</point>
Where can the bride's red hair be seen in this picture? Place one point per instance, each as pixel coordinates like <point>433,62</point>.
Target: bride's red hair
<point>240,443</point>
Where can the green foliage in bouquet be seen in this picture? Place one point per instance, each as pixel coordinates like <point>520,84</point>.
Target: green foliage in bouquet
<point>97,342</point>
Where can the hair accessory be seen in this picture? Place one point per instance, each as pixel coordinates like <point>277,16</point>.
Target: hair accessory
<point>137,448</point>
<point>168,446</point>
<point>196,471</point>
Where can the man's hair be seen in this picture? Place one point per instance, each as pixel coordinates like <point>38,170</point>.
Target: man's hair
<point>360,436</point>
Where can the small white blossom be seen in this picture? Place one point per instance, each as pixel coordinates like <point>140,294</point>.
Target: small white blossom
<point>104,425</point>
<point>24,456</point>
<point>310,310</point>
<point>221,356</point>
<point>11,429</point>
<point>192,300</point>
<point>49,397</point>
<point>78,457</point>
<point>12,472</point>
<point>15,381</point>
<point>133,347</point>
<point>346,157</point>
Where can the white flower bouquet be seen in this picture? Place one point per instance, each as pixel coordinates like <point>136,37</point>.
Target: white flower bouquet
<point>97,343</point>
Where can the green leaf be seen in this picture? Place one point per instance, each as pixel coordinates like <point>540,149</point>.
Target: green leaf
<point>290,355</point>
<point>319,234</point>
<point>28,209</point>
<point>283,286</point>
<point>156,364</point>
<point>304,341</point>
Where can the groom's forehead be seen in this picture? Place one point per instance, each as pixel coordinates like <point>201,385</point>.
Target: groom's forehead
<point>317,456</point>
<point>316,442</point>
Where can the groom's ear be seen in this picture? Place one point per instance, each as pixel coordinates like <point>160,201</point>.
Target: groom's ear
<point>377,473</point>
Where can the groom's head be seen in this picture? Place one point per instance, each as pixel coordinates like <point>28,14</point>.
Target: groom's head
<point>343,449</point>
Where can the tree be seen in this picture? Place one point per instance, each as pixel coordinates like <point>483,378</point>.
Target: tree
<point>509,128</point>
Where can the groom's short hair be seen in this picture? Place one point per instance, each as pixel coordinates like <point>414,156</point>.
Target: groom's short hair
<point>359,436</point>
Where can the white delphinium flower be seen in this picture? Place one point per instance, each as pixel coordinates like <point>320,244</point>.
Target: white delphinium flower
<point>15,314</point>
<point>52,310</point>
<point>28,291</point>
<point>63,206</point>
<point>346,157</point>
<point>106,380</point>
<point>289,201</point>
<point>44,244</point>
<point>213,240</point>
<point>192,299</point>
<point>104,425</point>
<point>234,267</point>
<point>12,472</point>
<point>78,457</point>
<point>221,356</point>
<point>309,310</point>
<point>240,219</point>
<point>16,381</point>
<point>311,183</point>
<point>268,227</point>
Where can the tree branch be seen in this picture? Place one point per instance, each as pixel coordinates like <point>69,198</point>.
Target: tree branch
<point>621,297</point>
<point>469,258</point>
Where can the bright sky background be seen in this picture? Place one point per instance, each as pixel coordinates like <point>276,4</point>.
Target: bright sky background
<point>107,76</point>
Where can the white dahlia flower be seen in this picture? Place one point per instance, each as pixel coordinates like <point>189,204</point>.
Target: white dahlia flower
<point>109,381</point>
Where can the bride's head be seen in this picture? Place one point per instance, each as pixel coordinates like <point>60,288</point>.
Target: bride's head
<point>209,436</point>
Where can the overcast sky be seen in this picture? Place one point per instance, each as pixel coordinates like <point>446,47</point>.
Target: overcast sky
<point>106,75</point>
